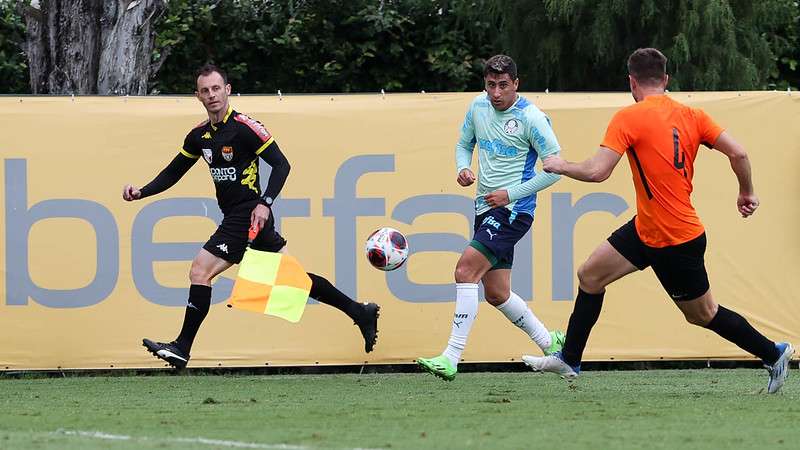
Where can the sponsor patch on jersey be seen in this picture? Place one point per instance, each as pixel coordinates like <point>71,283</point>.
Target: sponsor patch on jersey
<point>227,153</point>
<point>220,174</point>
<point>254,125</point>
<point>207,154</point>
<point>511,126</point>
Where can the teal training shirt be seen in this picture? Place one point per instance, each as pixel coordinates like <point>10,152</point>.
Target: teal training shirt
<point>509,144</point>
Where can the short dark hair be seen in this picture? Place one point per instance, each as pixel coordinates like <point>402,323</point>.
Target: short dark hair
<point>500,64</point>
<point>647,65</point>
<point>208,69</point>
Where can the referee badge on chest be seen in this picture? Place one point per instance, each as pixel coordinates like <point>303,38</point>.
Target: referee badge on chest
<point>227,153</point>
<point>207,155</point>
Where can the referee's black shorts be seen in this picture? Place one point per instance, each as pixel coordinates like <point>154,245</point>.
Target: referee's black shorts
<point>230,240</point>
<point>680,268</point>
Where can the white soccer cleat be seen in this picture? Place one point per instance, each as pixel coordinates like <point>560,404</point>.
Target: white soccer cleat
<point>552,363</point>
<point>779,371</point>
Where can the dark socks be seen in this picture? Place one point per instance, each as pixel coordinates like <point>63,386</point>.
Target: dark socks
<point>584,316</point>
<point>322,290</point>
<point>738,330</point>
<point>196,311</point>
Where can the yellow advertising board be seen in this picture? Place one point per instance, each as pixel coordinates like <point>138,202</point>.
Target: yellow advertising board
<point>87,275</point>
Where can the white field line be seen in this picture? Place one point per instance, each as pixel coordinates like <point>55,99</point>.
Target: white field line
<point>183,440</point>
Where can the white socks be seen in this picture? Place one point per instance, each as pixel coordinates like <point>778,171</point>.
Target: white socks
<point>517,311</point>
<point>466,310</point>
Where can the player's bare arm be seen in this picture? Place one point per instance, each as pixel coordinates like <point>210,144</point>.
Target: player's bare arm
<point>593,170</point>
<point>465,177</point>
<point>747,202</point>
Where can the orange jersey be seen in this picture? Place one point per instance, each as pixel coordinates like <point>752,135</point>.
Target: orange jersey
<point>661,138</point>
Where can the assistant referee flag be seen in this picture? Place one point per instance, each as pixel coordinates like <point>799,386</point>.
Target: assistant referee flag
<point>271,283</point>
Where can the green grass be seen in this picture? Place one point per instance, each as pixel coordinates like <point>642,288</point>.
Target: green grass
<point>657,409</point>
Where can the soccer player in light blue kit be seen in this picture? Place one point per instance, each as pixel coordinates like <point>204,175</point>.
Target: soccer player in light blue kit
<point>511,134</point>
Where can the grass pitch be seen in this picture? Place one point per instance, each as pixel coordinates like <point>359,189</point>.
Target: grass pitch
<point>656,409</point>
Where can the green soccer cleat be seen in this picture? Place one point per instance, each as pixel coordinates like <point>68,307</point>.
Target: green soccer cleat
<point>439,366</point>
<point>557,339</point>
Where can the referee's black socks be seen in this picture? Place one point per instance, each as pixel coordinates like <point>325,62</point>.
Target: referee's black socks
<point>323,291</point>
<point>196,311</point>
<point>738,330</point>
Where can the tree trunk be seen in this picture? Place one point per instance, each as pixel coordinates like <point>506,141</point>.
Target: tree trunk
<point>128,34</point>
<point>90,46</point>
<point>34,47</point>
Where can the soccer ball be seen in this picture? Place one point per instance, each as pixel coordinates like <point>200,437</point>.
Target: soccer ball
<point>387,249</point>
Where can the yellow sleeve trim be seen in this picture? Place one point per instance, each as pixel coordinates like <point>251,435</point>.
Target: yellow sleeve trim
<point>265,145</point>
<point>189,155</point>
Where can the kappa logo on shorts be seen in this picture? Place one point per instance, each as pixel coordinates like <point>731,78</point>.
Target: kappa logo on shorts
<point>491,235</point>
<point>511,126</point>
<point>227,153</point>
<point>223,247</point>
<point>207,154</point>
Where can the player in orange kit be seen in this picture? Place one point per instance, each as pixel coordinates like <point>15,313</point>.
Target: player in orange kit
<point>661,138</point>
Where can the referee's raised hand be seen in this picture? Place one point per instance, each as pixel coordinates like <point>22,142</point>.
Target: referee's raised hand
<point>130,193</point>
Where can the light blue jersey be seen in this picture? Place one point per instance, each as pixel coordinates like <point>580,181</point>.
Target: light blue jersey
<point>509,144</point>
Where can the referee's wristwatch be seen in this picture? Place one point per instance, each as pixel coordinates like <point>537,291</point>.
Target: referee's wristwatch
<point>267,201</point>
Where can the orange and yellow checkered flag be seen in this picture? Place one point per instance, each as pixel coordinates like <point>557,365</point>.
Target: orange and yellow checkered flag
<point>271,283</point>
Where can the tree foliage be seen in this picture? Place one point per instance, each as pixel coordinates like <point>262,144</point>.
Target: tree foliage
<point>13,66</point>
<point>712,44</point>
<point>785,44</point>
<point>327,46</point>
<point>440,45</point>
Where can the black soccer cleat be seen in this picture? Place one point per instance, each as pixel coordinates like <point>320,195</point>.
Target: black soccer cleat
<point>368,324</point>
<point>169,352</point>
